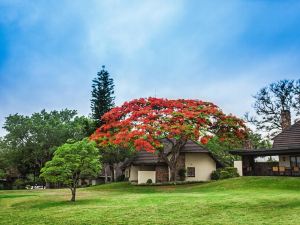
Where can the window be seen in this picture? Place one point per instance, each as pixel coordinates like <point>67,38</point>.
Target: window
<point>283,158</point>
<point>190,171</point>
<point>295,161</point>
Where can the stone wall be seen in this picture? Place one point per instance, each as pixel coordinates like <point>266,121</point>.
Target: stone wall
<point>162,174</point>
<point>180,164</point>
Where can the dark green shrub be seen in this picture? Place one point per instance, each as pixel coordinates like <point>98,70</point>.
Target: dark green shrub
<point>232,171</point>
<point>224,173</point>
<point>149,181</point>
<point>19,183</point>
<point>215,175</point>
<point>182,174</point>
<point>121,178</point>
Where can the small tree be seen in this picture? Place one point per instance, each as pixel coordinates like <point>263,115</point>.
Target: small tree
<point>143,123</point>
<point>72,162</point>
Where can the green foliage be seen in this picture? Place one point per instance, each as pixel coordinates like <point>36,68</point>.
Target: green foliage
<point>121,178</point>
<point>102,95</point>
<point>2,174</point>
<point>258,142</point>
<point>182,174</point>
<point>72,162</point>
<point>220,149</point>
<point>76,160</point>
<point>215,175</point>
<point>224,173</point>
<point>149,181</point>
<point>20,183</point>
<point>31,140</point>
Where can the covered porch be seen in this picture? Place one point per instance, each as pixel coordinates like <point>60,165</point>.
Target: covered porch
<point>287,162</point>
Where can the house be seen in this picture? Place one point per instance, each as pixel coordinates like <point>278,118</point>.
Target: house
<point>198,162</point>
<point>286,148</point>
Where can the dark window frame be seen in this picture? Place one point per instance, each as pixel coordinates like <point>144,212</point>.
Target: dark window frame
<point>296,161</point>
<point>190,173</point>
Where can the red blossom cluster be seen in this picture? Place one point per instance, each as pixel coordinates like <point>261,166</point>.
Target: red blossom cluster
<point>142,123</point>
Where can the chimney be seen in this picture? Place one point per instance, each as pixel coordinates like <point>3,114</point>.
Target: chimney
<point>286,120</point>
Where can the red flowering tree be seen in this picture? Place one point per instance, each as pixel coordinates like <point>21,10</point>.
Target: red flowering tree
<point>143,123</point>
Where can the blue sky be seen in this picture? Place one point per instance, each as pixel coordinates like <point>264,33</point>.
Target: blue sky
<point>220,51</point>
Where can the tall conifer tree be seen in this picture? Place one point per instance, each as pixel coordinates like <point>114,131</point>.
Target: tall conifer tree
<point>102,95</point>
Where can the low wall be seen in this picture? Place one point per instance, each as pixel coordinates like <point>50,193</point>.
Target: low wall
<point>143,176</point>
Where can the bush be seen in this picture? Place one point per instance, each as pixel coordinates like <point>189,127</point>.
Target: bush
<point>121,178</point>
<point>215,175</point>
<point>19,183</point>
<point>224,173</point>
<point>149,181</point>
<point>232,171</point>
<point>182,174</point>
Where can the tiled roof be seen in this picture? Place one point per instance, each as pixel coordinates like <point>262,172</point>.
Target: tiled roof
<point>289,138</point>
<point>146,158</point>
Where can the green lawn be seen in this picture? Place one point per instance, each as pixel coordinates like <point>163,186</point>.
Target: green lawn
<point>247,200</point>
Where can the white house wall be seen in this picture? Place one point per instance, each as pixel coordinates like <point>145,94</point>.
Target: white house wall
<point>203,163</point>
<point>133,173</point>
<point>144,176</point>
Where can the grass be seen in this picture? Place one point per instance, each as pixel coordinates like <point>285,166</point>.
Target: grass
<point>247,200</point>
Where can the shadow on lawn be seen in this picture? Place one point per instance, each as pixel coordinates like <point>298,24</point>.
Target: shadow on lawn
<point>14,196</point>
<point>50,204</point>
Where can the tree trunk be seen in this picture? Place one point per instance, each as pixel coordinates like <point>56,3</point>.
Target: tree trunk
<point>73,190</point>
<point>105,173</point>
<point>173,174</point>
<point>112,171</point>
<point>172,161</point>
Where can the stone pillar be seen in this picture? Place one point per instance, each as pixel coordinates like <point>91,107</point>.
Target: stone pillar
<point>239,166</point>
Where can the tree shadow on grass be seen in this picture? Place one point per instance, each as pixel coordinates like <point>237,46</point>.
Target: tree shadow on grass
<point>50,204</point>
<point>14,196</point>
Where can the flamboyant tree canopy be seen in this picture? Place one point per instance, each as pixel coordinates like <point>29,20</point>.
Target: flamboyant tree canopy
<point>142,123</point>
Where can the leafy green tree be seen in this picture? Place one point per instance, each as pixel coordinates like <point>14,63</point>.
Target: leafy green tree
<point>2,174</point>
<point>102,95</point>
<point>271,101</point>
<point>220,148</point>
<point>71,162</point>
<point>31,140</point>
<point>257,141</point>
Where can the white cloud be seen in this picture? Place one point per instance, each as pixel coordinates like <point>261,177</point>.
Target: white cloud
<point>173,49</point>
